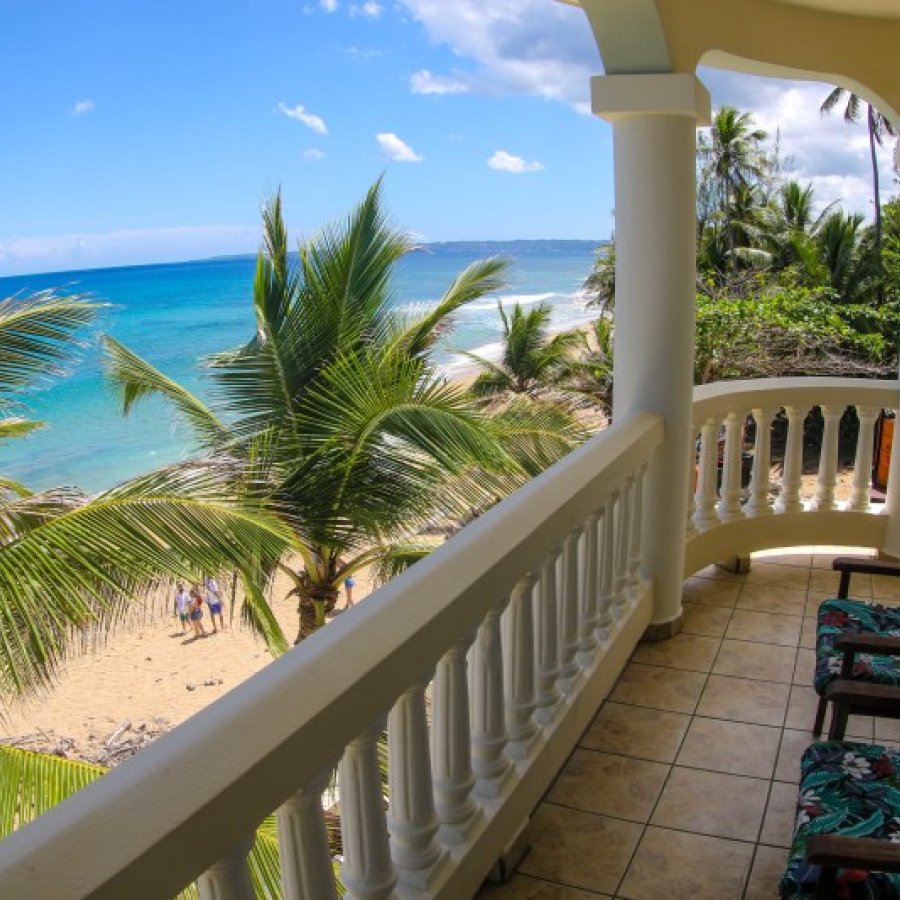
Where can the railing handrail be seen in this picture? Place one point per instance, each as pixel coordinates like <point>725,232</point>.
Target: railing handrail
<point>156,822</point>
<point>721,397</point>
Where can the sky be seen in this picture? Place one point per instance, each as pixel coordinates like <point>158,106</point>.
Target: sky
<point>138,132</point>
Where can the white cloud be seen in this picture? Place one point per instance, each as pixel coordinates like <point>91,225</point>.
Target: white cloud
<point>300,114</point>
<point>508,162</point>
<point>369,9</point>
<point>313,154</point>
<point>61,252</point>
<point>82,107</point>
<point>424,82</point>
<point>329,6</point>
<point>396,149</point>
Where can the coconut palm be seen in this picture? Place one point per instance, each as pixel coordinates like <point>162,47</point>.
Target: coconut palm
<point>879,127</point>
<point>336,405</point>
<point>68,561</point>
<point>530,360</point>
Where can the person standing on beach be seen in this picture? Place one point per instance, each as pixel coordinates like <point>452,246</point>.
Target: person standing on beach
<point>197,613</point>
<point>349,584</point>
<point>213,601</point>
<point>182,606</point>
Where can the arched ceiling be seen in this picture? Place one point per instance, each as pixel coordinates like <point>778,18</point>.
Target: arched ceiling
<point>853,43</point>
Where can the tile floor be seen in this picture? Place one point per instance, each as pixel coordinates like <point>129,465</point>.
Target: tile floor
<point>684,786</point>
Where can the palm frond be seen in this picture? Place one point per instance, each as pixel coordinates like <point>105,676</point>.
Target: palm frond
<point>16,426</point>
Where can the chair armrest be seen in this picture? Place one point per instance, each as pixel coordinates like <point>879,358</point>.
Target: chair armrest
<point>848,565</point>
<point>856,693</point>
<point>851,852</point>
<point>879,644</point>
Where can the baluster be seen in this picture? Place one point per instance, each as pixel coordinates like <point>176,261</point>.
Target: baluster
<point>759,504</point>
<point>705,495</point>
<point>691,528</point>
<point>789,498</point>
<point>828,461</point>
<point>729,507</point>
<point>489,736</point>
<point>412,820</point>
<point>548,696</point>
<point>862,472</point>
<point>589,614</point>
<point>568,618</point>
<point>451,751</point>
<point>607,526</point>
<point>367,870</point>
<point>518,657</point>
<point>635,539</point>
<point>229,877</point>
<point>306,865</point>
<point>620,576</point>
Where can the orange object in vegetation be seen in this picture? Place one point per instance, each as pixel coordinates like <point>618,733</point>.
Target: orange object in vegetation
<point>885,440</point>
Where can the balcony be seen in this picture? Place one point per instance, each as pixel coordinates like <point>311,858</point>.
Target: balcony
<point>487,665</point>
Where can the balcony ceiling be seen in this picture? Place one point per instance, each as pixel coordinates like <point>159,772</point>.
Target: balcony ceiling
<point>852,43</point>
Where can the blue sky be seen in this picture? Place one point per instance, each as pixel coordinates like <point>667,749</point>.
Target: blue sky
<point>138,132</point>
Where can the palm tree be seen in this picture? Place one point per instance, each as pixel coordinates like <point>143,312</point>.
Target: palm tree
<point>591,374</point>
<point>791,224</point>
<point>336,406</point>
<point>531,359</point>
<point>731,158</point>
<point>68,561</point>
<point>879,127</point>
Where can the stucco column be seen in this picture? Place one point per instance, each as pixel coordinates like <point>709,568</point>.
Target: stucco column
<point>654,120</point>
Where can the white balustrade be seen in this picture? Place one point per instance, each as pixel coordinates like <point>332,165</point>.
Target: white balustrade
<point>691,483</point>
<point>548,696</point>
<point>307,869</point>
<point>607,539</point>
<point>789,500</point>
<point>759,503</point>
<point>367,870</point>
<point>451,750</point>
<point>705,496</point>
<point>828,459</point>
<point>589,613</point>
<point>229,878</point>
<point>729,506</point>
<point>519,662</point>
<point>636,534</point>
<point>620,565</point>
<point>568,619</point>
<point>862,472</point>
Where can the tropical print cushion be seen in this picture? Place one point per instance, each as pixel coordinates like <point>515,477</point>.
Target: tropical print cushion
<point>837,617</point>
<point>852,790</point>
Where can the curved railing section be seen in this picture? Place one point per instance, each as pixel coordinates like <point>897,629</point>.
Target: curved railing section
<point>515,629</point>
<point>727,520</point>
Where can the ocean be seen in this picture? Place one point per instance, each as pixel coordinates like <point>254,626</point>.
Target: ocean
<point>174,314</point>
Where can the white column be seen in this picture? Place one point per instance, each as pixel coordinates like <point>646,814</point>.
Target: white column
<point>654,121</point>
<point>620,568</point>
<point>412,821</point>
<point>607,536</point>
<point>828,459</point>
<point>759,504</point>
<point>589,613</point>
<point>568,618</point>
<point>705,496</point>
<point>451,750</point>
<point>489,736</point>
<point>548,695</point>
<point>636,535</point>
<point>862,472</point>
<point>307,869</point>
<point>367,870</point>
<point>729,507</point>
<point>518,676</point>
<point>789,497</point>
<point>229,877</point>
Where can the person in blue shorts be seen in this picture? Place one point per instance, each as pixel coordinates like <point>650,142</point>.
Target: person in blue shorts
<point>214,602</point>
<point>349,584</point>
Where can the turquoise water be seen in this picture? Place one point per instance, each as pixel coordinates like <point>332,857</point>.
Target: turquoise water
<point>175,313</point>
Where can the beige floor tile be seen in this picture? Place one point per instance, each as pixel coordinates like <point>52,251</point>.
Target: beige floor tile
<point>813,602</point>
<point>524,887</point>
<point>801,714</point>
<point>764,628</point>
<point>765,662</point>
<point>744,700</point>
<point>778,822</point>
<point>733,747</point>
<point>564,848</point>
<point>694,652</point>
<point>717,573</point>
<point>672,689</point>
<point>887,729</point>
<point>782,559</point>
<point>768,866</point>
<point>778,576</point>
<point>701,618</point>
<point>808,634</point>
<point>805,667</point>
<point>793,743</point>
<point>825,582</point>
<point>760,598</point>
<point>883,586</point>
<point>672,865</point>
<point>715,593</point>
<point>637,732</point>
<point>610,785</point>
<point>729,806</point>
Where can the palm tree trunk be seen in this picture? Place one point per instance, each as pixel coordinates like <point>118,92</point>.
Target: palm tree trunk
<point>876,190</point>
<point>316,602</point>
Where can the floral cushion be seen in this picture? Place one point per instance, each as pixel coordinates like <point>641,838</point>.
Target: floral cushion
<point>852,790</point>
<point>837,617</point>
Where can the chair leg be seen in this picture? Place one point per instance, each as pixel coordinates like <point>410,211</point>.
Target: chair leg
<point>839,714</point>
<point>827,888</point>
<point>820,716</point>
